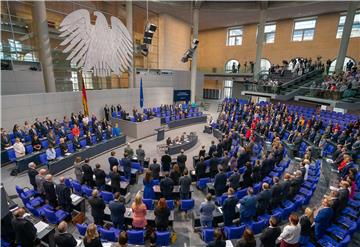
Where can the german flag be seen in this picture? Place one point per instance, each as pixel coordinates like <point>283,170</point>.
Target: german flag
<point>84,99</point>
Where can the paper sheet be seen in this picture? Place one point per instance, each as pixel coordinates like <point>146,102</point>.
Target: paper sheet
<point>40,226</point>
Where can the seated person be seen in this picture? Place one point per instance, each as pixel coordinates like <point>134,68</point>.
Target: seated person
<point>89,141</point>
<point>109,132</point>
<point>63,147</point>
<point>50,153</point>
<point>36,143</point>
<point>76,143</point>
<point>5,139</point>
<point>98,133</point>
<point>19,148</point>
<point>51,138</point>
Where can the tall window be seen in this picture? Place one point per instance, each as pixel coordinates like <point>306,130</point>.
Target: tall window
<point>269,33</point>
<point>231,66</point>
<point>265,65</point>
<point>228,86</point>
<point>15,48</point>
<point>304,29</point>
<point>234,36</point>
<point>333,64</point>
<point>1,52</point>
<point>355,31</point>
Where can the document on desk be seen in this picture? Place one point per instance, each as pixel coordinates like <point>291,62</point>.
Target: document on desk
<point>74,198</point>
<point>228,243</point>
<point>220,209</point>
<point>79,242</point>
<point>40,226</point>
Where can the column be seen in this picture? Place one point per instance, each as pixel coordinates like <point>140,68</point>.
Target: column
<point>194,58</point>
<point>129,26</point>
<point>344,43</point>
<point>43,43</point>
<point>259,44</point>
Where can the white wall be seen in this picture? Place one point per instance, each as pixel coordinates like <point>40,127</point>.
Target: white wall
<point>18,108</point>
<point>14,82</point>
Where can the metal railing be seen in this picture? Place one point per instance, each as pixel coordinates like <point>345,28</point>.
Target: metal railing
<point>336,95</point>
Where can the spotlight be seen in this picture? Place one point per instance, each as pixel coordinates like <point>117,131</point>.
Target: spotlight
<point>144,50</point>
<point>190,52</point>
<point>147,40</point>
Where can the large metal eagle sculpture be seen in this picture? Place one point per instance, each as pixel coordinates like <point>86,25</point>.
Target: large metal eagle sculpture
<point>98,48</point>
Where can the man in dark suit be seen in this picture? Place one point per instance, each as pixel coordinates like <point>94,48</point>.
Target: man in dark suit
<point>286,186</point>
<point>32,172</point>
<point>295,184</point>
<point>276,193</point>
<point>267,165</point>
<point>220,182</point>
<point>234,179</point>
<point>200,169</point>
<point>166,187</point>
<point>323,219</point>
<point>88,173</point>
<point>155,169</point>
<point>212,148</point>
<point>181,160</point>
<point>225,161</point>
<point>63,238</point>
<point>50,193</point>
<point>99,177</point>
<point>335,203</point>
<point>228,208</point>
<point>113,161</point>
<point>213,165</point>
<point>343,194</point>
<point>97,207</point>
<point>263,200</point>
<point>248,206</point>
<point>25,231</point>
<point>64,195</point>
<point>185,183</point>
<point>166,162</point>
<point>202,152</point>
<point>117,210</point>
<point>243,158</point>
<point>220,148</point>
<point>115,179</point>
<point>126,162</point>
<point>270,234</point>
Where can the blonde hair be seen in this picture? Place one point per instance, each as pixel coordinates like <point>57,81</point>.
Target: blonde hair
<point>310,214</point>
<point>91,233</point>
<point>138,199</point>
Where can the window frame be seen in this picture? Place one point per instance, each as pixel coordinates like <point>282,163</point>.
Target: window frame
<point>304,29</point>
<point>228,36</point>
<point>266,34</point>
<point>343,14</point>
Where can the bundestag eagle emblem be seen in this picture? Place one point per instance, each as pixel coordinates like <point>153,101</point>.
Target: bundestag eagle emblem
<point>98,48</point>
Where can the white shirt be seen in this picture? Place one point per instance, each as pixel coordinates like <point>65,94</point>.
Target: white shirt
<point>291,234</point>
<point>307,171</point>
<point>19,149</point>
<point>50,154</point>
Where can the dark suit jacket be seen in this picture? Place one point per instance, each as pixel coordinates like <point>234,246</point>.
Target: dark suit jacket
<point>93,243</point>
<point>285,188</point>
<point>166,186</point>
<point>276,193</point>
<point>228,207</point>
<point>343,198</point>
<point>113,162</point>
<point>115,180</point>
<point>243,243</point>
<point>322,221</point>
<point>127,165</point>
<point>162,217</point>
<point>248,206</point>
<point>87,172</point>
<point>99,176</point>
<point>269,236</point>
<point>155,169</point>
<point>32,174</point>
<point>243,158</point>
<point>220,183</point>
<point>64,193</point>
<point>50,193</point>
<point>65,240</point>
<point>117,210</point>
<point>212,149</point>
<point>263,200</point>
<point>234,180</point>
<point>25,231</point>
<point>97,207</point>
<point>200,169</point>
<point>213,164</point>
<point>202,153</point>
<point>217,243</point>
<point>166,162</point>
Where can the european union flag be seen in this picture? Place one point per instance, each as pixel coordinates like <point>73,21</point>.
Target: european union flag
<point>141,94</point>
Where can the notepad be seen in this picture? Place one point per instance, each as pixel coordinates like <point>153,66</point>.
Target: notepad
<point>229,243</point>
<point>75,198</point>
<point>40,226</point>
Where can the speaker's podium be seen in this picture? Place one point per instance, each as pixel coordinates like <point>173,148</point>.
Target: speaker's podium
<point>160,134</point>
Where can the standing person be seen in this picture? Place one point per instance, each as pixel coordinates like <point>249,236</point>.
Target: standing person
<point>78,169</point>
<point>115,180</point>
<point>49,189</point>
<point>220,182</point>
<point>148,186</point>
<point>247,240</point>
<point>32,172</point>
<point>99,177</point>
<point>263,200</point>
<point>228,208</point>
<point>88,174</point>
<point>166,162</point>
<point>202,152</point>
<point>306,221</point>
<point>92,238</point>
<point>97,205</point>
<point>291,233</point>
<point>323,218</point>
<point>140,154</point>
<point>185,183</point>
<point>129,150</point>
<point>162,213</point>
<point>212,149</point>
<point>175,174</point>
<point>200,169</point>
<point>181,161</point>
<point>166,187</point>
<point>269,235</point>
<point>64,195</point>
<point>117,211</point>
<point>155,169</point>
<point>234,179</point>
<point>139,212</point>
<point>113,161</point>
<point>206,212</point>
<point>19,148</point>
<point>39,179</point>
<point>126,162</point>
<point>276,193</point>
<point>25,231</point>
<point>63,238</point>
<point>213,165</point>
<point>107,113</point>
<point>248,206</point>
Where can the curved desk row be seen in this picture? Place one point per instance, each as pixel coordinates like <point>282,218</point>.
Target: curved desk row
<point>187,121</point>
<point>176,148</point>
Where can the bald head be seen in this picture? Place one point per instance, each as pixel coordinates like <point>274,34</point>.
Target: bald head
<point>48,177</point>
<point>62,227</point>
<point>42,172</point>
<point>62,180</point>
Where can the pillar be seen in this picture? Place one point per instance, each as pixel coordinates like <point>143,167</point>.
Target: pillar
<point>344,43</point>
<point>129,26</point>
<point>259,44</point>
<point>43,43</point>
<point>194,58</point>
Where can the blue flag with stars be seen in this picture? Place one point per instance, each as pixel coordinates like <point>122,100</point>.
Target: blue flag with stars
<point>141,95</point>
